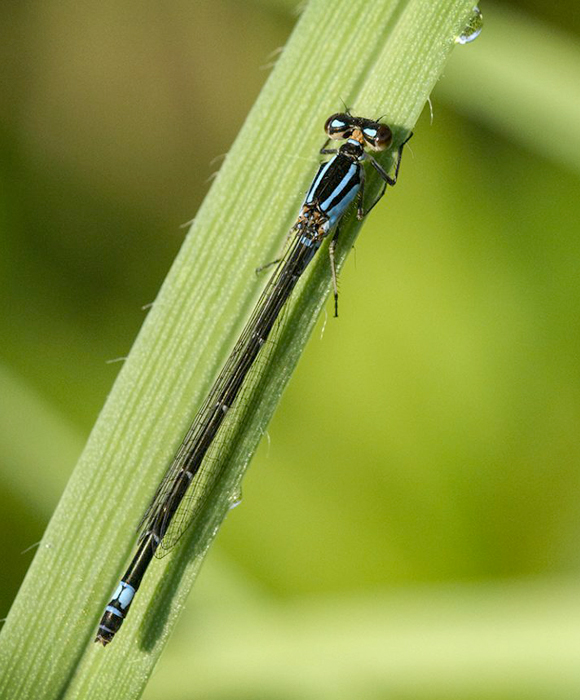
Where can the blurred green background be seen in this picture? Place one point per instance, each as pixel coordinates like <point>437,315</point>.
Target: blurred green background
<point>411,527</point>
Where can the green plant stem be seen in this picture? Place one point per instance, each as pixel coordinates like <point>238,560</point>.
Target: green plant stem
<point>380,58</point>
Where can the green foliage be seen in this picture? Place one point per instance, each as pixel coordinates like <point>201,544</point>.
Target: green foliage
<point>427,444</point>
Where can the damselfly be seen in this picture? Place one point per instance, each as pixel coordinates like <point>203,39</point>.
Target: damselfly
<point>336,184</point>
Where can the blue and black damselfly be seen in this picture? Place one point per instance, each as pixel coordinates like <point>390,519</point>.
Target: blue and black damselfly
<point>337,183</point>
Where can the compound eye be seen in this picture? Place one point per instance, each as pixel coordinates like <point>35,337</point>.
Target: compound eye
<point>338,126</point>
<point>378,136</point>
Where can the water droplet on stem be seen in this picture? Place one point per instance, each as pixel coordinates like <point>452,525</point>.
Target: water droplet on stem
<point>472,29</point>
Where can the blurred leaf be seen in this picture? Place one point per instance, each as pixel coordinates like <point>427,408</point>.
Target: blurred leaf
<point>37,444</point>
<point>512,639</point>
<point>522,80</point>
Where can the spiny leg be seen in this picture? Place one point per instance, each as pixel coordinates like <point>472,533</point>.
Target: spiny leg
<point>387,179</point>
<point>325,151</point>
<point>261,269</point>
<point>331,255</point>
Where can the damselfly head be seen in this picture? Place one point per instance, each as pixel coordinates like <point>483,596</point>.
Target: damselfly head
<point>375,135</point>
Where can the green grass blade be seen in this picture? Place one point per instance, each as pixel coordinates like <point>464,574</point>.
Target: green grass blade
<point>380,58</point>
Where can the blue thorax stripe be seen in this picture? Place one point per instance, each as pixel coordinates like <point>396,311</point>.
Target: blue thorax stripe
<point>311,194</point>
<point>342,189</point>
